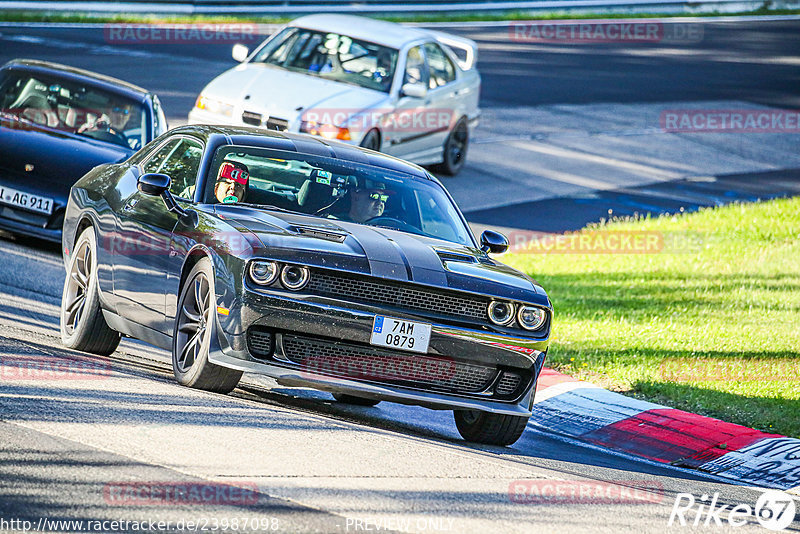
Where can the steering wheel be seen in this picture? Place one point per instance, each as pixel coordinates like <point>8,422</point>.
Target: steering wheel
<point>384,220</point>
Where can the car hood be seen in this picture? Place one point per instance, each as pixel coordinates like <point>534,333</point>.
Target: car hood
<point>381,253</point>
<point>276,92</point>
<point>56,160</point>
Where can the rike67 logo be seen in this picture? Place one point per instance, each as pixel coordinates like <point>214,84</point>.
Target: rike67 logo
<point>774,510</point>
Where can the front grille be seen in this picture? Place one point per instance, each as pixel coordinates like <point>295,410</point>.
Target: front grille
<point>280,125</point>
<point>401,296</point>
<point>508,383</point>
<point>388,367</point>
<point>252,118</point>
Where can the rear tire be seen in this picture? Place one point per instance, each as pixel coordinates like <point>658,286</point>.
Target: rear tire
<point>82,324</point>
<point>489,428</point>
<point>356,401</point>
<point>194,328</point>
<point>454,154</point>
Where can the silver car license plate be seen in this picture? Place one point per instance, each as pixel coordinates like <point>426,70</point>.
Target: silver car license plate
<point>400,334</point>
<point>20,199</point>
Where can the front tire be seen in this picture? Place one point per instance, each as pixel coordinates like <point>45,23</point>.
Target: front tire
<point>82,324</point>
<point>356,401</point>
<point>194,328</point>
<point>489,428</point>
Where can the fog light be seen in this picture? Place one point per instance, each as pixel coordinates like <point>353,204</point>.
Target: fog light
<point>531,317</point>
<point>501,313</point>
<point>263,272</point>
<point>295,277</point>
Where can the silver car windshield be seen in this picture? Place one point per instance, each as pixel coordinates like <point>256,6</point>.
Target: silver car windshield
<point>73,107</point>
<point>334,189</point>
<point>333,56</point>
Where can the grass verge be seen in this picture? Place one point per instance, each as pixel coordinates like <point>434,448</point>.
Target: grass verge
<point>77,17</point>
<point>710,324</point>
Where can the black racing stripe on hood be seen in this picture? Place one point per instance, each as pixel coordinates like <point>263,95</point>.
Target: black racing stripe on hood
<point>384,257</point>
<point>426,266</point>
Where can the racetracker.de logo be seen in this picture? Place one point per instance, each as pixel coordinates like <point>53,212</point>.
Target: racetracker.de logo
<point>328,122</point>
<point>604,32</point>
<point>180,493</point>
<point>697,369</point>
<point>47,367</point>
<point>204,33</point>
<point>585,492</point>
<point>604,242</point>
<point>730,120</point>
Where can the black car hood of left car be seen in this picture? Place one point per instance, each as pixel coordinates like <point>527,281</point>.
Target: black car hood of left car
<point>381,252</point>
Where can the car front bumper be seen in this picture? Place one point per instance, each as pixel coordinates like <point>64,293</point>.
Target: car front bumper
<point>316,319</point>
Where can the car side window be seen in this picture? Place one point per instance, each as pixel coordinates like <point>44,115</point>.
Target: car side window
<point>182,166</point>
<point>416,70</point>
<point>442,70</point>
<point>155,159</point>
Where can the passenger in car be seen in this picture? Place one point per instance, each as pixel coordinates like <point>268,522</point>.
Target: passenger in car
<point>232,182</point>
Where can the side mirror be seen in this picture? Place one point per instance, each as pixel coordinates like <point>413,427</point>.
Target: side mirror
<point>493,242</point>
<point>414,90</point>
<point>154,184</point>
<point>240,52</point>
<point>157,185</point>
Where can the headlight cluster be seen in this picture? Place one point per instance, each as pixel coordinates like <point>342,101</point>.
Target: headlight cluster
<point>328,131</point>
<point>214,106</point>
<point>502,313</point>
<point>264,273</point>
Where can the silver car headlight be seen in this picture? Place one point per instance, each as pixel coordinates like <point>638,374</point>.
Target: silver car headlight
<point>501,312</point>
<point>531,317</point>
<point>217,107</point>
<point>263,273</point>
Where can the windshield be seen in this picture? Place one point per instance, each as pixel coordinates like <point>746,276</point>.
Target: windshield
<point>73,107</point>
<point>333,56</point>
<point>334,189</point>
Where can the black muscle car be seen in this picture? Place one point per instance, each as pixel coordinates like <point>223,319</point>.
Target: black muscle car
<point>56,124</point>
<point>316,263</point>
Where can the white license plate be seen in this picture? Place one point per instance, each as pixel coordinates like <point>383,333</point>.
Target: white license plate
<point>19,199</point>
<point>400,334</point>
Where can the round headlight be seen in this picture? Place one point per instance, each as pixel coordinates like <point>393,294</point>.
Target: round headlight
<point>263,272</point>
<point>500,312</point>
<point>295,277</point>
<point>531,317</point>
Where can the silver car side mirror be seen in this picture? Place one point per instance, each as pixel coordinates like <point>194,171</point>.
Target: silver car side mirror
<point>240,52</point>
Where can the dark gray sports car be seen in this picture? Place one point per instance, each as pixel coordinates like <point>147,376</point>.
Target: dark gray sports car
<point>313,262</point>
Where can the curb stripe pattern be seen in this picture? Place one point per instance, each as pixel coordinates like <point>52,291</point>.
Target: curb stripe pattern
<point>589,413</point>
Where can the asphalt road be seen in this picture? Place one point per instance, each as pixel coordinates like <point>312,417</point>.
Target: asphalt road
<point>71,442</point>
<point>718,61</point>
